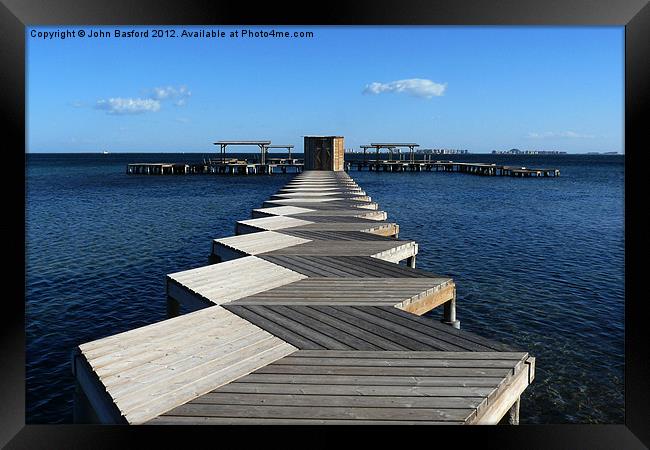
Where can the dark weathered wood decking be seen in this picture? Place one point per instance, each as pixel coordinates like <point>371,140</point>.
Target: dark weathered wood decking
<point>307,320</point>
<point>360,327</point>
<point>352,387</point>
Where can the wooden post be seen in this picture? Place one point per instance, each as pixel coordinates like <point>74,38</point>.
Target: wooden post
<point>82,410</point>
<point>411,261</point>
<point>449,314</point>
<point>173,307</point>
<point>513,413</point>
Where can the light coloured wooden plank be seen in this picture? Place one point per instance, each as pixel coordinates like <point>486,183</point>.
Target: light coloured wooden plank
<point>307,194</point>
<point>274,223</point>
<point>262,242</point>
<point>155,359</point>
<point>157,330</point>
<point>282,211</point>
<point>231,280</point>
<point>133,346</point>
<point>230,268</point>
<point>218,356</point>
<point>152,379</point>
<point>331,190</point>
<point>181,394</point>
<point>292,201</point>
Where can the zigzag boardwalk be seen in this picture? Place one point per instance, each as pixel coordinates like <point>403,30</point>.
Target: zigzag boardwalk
<point>306,317</point>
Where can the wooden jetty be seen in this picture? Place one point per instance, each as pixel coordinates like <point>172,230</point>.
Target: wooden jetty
<point>244,167</point>
<point>226,167</point>
<point>484,169</point>
<point>306,317</point>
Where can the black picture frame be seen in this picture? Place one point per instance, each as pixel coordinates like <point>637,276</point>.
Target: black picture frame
<point>16,15</point>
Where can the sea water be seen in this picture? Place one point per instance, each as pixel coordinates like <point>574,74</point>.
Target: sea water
<point>538,262</point>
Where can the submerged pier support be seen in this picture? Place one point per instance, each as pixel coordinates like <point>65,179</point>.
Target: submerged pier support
<point>449,313</point>
<point>513,413</point>
<point>411,262</point>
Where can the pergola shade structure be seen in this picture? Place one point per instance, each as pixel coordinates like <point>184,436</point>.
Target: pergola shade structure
<point>390,146</point>
<point>261,144</point>
<point>267,147</point>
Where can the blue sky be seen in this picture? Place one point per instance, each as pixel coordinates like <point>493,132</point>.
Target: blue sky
<point>475,88</point>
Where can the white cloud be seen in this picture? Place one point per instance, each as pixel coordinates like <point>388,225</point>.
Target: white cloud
<point>417,87</point>
<point>121,105</point>
<point>561,134</point>
<point>152,102</point>
<point>178,94</point>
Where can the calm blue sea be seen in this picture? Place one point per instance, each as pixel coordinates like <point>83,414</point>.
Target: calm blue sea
<point>539,263</point>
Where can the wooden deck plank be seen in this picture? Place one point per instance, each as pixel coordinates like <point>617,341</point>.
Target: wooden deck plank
<point>323,412</point>
<point>171,420</point>
<point>407,371</point>
<point>229,398</point>
<point>436,387</point>
<point>450,386</point>
<point>397,360</point>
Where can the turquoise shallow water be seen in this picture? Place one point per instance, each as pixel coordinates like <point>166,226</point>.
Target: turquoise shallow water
<point>538,262</point>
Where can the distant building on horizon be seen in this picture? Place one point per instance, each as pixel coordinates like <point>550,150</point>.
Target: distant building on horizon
<point>516,151</point>
<point>441,151</point>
